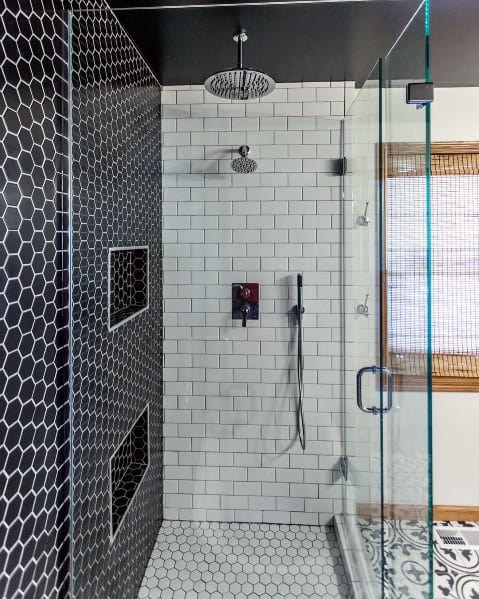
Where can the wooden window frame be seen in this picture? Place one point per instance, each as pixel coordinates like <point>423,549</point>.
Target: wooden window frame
<point>410,382</point>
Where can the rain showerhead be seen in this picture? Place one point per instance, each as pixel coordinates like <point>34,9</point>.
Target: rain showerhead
<point>244,165</point>
<point>240,83</point>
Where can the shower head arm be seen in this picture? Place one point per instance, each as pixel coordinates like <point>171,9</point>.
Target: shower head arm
<point>240,38</point>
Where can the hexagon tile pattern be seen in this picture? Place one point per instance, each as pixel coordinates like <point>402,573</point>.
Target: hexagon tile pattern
<point>34,431</point>
<point>34,277</point>
<point>212,560</point>
<point>116,203</point>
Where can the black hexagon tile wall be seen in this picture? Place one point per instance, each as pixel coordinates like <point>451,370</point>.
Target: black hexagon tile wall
<point>34,440</point>
<point>115,375</point>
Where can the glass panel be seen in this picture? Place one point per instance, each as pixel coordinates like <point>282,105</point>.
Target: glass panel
<point>406,328</point>
<point>387,514</point>
<point>361,296</point>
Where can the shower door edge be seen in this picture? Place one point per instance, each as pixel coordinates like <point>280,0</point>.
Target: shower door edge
<point>380,283</point>
<point>363,580</point>
<point>430,473</point>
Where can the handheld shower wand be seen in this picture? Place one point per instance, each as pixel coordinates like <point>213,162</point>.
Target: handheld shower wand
<point>300,363</point>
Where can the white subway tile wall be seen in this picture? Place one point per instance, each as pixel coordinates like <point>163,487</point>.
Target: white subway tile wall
<point>231,447</point>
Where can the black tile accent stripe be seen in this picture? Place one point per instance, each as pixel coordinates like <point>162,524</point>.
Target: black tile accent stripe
<point>116,178</point>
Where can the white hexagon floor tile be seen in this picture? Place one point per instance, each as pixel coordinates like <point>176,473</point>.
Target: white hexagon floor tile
<point>212,560</point>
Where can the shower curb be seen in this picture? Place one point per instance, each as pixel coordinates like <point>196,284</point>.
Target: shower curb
<point>363,581</point>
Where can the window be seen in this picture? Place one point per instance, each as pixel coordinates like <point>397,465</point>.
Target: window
<point>455,265</point>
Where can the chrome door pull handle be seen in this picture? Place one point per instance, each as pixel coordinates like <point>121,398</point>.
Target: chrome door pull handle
<point>359,396</point>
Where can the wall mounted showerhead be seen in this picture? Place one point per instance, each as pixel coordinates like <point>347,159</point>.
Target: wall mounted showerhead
<point>244,165</point>
<point>240,83</point>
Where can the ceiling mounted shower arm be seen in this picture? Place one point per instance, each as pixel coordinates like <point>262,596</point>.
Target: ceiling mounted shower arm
<point>240,38</point>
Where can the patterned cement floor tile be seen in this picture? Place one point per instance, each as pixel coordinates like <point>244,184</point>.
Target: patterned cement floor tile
<point>456,570</point>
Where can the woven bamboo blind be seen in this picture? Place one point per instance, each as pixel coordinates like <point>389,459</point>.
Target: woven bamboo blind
<point>455,263</point>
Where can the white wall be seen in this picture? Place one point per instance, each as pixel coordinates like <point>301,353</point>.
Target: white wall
<point>455,114</point>
<point>455,117</point>
<point>231,451</point>
<point>455,424</point>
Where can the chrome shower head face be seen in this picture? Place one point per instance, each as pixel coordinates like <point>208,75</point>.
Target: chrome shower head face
<point>244,165</point>
<point>240,83</point>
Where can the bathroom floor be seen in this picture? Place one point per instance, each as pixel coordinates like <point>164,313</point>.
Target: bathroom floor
<point>199,560</point>
<point>456,570</point>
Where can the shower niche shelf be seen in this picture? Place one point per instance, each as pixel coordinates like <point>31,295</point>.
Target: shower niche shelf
<point>127,469</point>
<point>127,284</point>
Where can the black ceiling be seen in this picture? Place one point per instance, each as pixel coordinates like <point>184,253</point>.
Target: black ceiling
<point>300,42</point>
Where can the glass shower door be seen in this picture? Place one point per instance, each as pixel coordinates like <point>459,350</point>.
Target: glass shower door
<point>361,213</point>
<point>387,514</point>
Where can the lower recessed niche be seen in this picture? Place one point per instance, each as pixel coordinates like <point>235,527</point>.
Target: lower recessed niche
<point>127,284</point>
<point>127,468</point>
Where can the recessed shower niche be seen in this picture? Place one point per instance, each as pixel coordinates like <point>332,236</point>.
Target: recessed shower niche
<point>127,468</point>
<point>127,284</point>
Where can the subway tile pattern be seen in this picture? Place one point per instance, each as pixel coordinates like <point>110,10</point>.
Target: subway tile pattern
<point>212,560</point>
<point>231,452</point>
<point>34,532</point>
<point>116,179</point>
